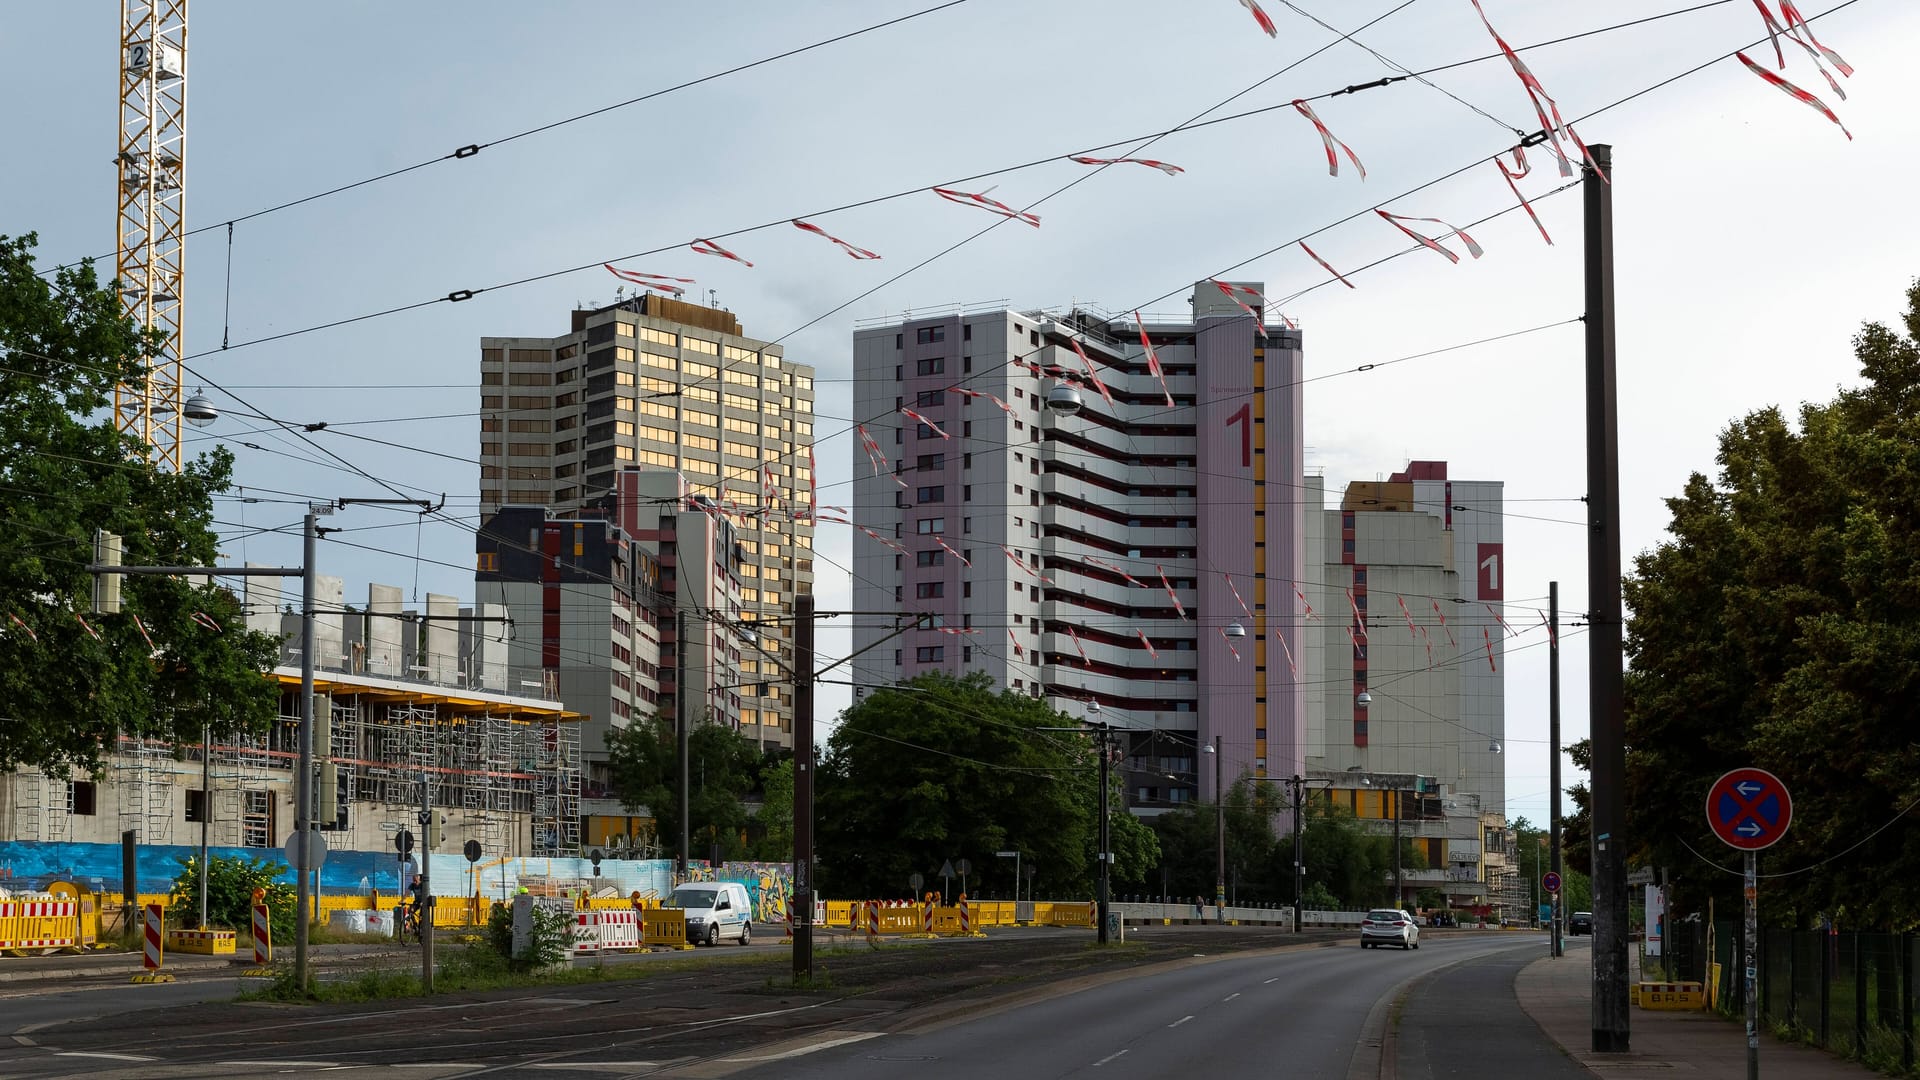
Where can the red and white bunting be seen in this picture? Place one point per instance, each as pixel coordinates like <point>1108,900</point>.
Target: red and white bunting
<point>1555,128</point>
<point>1333,160</point>
<point>1004,407</point>
<point>708,247</point>
<point>992,206</point>
<point>206,621</point>
<point>831,519</point>
<point>87,626</point>
<point>148,638</point>
<point>1324,265</point>
<point>1427,640</point>
<point>1153,359</point>
<point>1501,621</point>
<point>1235,292</point>
<point>1359,649</point>
<point>856,252</point>
<point>1261,17</point>
<point>657,282</point>
<point>1488,638</point>
<point>1171,595</point>
<point>1091,373</point>
<point>1022,564</point>
<point>15,619</point>
<point>1151,651</point>
<point>1552,637</point>
<point>1170,170</point>
<point>1109,566</point>
<point>1229,644</point>
<point>894,544</point>
<point>1412,630</point>
<point>1082,649</point>
<point>1797,23</point>
<point>813,490</point>
<point>769,490</point>
<point>1774,30</point>
<point>1017,650</point>
<point>874,455</point>
<point>1795,93</point>
<point>1451,642</point>
<point>1394,220</point>
<point>956,630</point>
<point>1359,619</point>
<point>1236,596</point>
<point>918,419</point>
<point>1520,169</point>
<point>1292,667</point>
<point>964,561</point>
<point>1308,608</point>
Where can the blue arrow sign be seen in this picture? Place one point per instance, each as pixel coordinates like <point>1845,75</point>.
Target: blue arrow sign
<point>1749,809</point>
<point>1748,788</point>
<point>1749,827</point>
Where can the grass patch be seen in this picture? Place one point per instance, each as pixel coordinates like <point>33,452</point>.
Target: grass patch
<point>468,970</point>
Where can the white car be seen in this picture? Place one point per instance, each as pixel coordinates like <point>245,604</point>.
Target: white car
<point>1389,926</point>
<point>715,910</point>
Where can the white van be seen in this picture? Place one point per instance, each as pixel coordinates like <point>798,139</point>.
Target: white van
<point>715,910</point>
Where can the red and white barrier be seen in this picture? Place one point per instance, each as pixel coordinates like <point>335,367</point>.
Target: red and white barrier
<point>619,930</point>
<point>156,936</point>
<point>926,920</point>
<point>586,933</point>
<point>873,921</point>
<point>966,920</point>
<point>262,936</point>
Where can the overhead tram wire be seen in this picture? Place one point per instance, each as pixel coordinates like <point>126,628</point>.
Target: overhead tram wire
<point>462,295</point>
<point>473,149</point>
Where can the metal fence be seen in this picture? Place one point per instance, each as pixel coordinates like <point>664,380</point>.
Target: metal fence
<point>1850,993</point>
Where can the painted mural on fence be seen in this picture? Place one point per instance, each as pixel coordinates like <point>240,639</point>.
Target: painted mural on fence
<point>27,866</point>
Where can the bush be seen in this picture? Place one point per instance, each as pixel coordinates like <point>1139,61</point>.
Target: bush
<point>230,888</point>
<point>551,943</point>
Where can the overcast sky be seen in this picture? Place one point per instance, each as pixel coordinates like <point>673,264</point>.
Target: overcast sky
<point>1753,237</point>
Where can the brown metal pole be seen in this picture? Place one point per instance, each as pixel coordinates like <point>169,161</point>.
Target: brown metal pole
<point>803,662</point>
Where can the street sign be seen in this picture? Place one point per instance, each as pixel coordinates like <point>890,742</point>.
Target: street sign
<point>914,881</point>
<point>472,851</point>
<point>964,867</point>
<point>1749,809</point>
<point>946,868</point>
<point>403,841</point>
<point>307,851</point>
<point>1552,881</point>
<point>1640,875</point>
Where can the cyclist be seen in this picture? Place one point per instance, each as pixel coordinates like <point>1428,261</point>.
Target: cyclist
<point>412,909</point>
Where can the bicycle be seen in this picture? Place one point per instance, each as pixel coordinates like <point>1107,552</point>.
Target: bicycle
<point>407,922</point>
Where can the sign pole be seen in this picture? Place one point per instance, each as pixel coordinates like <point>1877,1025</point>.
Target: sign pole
<point>1751,935</point>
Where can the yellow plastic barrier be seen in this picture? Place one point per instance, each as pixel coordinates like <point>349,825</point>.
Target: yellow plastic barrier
<point>87,908</point>
<point>1064,914</point>
<point>841,912</point>
<point>203,942</point>
<point>667,927</point>
<point>38,923</point>
<point>1673,995</point>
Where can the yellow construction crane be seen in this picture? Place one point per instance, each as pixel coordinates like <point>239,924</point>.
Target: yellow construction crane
<point>150,251</point>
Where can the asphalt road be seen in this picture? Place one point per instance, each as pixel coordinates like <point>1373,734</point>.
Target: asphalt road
<point>1190,1005</point>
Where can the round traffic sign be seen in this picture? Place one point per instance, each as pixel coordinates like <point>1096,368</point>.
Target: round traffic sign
<point>914,881</point>
<point>1552,881</point>
<point>307,851</point>
<point>1749,809</point>
<point>472,851</point>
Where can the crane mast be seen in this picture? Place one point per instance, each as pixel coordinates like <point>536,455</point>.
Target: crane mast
<point>150,250</point>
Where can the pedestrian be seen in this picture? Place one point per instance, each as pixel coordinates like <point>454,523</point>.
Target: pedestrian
<point>1199,907</point>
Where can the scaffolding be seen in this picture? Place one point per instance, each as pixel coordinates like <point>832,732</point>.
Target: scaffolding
<point>556,803</point>
<point>143,775</point>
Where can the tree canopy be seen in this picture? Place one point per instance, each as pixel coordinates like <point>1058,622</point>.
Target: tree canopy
<point>722,768</point>
<point>1780,628</point>
<point>69,689</point>
<point>945,768</point>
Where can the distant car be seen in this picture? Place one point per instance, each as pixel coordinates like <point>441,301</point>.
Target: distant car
<point>1389,926</point>
<point>1580,922</point>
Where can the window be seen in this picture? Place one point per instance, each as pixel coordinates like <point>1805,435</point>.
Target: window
<point>966,493</point>
<point>930,494</point>
<point>930,526</point>
<point>896,658</point>
<point>966,461</point>
<point>929,590</point>
<point>966,654</point>
<point>196,808</point>
<point>966,588</point>
<point>966,525</point>
<point>930,462</point>
<point>935,557</point>
<point>81,796</point>
<point>926,432</point>
<point>930,654</point>
<point>927,335</point>
<point>932,365</point>
<point>927,399</point>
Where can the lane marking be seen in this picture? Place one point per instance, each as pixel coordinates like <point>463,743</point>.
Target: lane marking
<point>596,1064</point>
<point>1231,996</point>
<point>827,1044</point>
<point>1180,1021</point>
<point>1108,1058</point>
<point>1275,979</point>
<point>103,1055</point>
<point>284,1062</point>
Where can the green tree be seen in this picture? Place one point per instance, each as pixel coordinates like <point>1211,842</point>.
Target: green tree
<point>643,763</point>
<point>1352,864</point>
<point>1189,845</point>
<point>64,472</point>
<point>230,888</point>
<point>946,768</point>
<point>1780,627</point>
<point>775,816</point>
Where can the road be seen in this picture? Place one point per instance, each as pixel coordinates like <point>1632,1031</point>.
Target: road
<point>1194,1010</point>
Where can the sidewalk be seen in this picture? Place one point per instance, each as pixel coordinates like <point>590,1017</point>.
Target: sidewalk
<point>104,964</point>
<point>1558,994</point>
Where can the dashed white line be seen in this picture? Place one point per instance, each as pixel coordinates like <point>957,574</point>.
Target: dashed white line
<point>104,1056</point>
<point>1108,1058</point>
<point>811,1048</point>
<point>1180,1021</point>
<point>1275,979</point>
<point>1231,996</point>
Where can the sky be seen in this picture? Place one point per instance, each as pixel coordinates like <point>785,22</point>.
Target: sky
<point>1752,236</point>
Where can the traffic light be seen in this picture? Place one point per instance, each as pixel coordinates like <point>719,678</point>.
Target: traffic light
<point>328,797</point>
<point>436,829</point>
<point>106,586</point>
